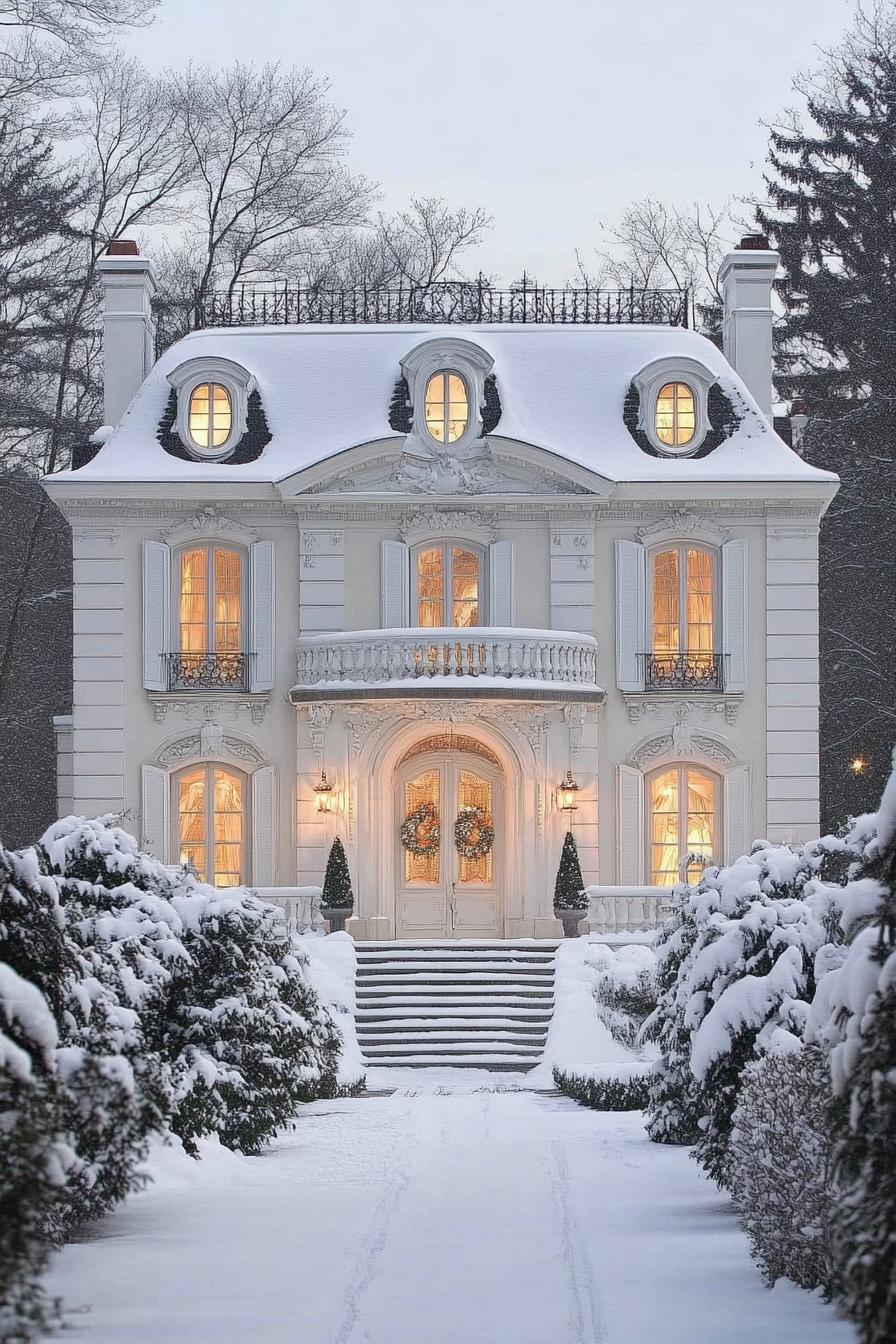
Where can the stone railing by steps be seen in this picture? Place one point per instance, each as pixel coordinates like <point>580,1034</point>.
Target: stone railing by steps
<point>402,655</point>
<point>628,909</point>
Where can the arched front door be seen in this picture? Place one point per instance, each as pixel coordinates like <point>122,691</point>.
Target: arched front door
<point>441,891</point>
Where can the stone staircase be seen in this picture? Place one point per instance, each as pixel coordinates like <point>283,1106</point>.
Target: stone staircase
<point>483,1004</point>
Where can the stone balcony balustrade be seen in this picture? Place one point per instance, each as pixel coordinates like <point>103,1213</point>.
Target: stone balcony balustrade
<point>479,659</point>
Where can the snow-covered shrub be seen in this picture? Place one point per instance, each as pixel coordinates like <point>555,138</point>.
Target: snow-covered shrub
<point>854,1017</point>
<point>332,971</point>
<point>673,1107</point>
<point>625,990</point>
<point>614,1087</point>
<point>779,1165</point>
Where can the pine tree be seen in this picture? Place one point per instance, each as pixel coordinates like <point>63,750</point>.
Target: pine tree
<point>832,216</point>
<point>569,891</point>
<point>337,888</point>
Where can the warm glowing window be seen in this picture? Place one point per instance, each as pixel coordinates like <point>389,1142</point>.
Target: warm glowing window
<point>212,823</point>
<point>683,811</point>
<point>423,868</point>
<point>448,586</point>
<point>676,415</point>
<point>211,415</point>
<point>210,600</point>
<point>447,408</point>
<point>683,601</point>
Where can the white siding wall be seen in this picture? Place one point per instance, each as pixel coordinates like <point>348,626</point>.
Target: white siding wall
<point>792,681</point>
<point>62,727</point>
<point>99,663</point>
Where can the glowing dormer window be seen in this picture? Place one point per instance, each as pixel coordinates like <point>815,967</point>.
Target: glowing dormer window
<point>676,415</point>
<point>447,407</point>
<point>210,416</point>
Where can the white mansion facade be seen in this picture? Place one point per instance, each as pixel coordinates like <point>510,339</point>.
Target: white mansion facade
<point>443,568</point>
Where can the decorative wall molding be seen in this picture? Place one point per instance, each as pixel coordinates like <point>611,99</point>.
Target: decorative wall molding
<point>209,744</point>
<point>203,708</point>
<point>319,716</point>
<point>315,544</point>
<point>208,522</point>
<point>107,536</point>
<point>575,713</point>
<point>684,523</point>
<point>681,744</point>
<point>429,472</point>
<point>709,708</point>
<point>473,524</point>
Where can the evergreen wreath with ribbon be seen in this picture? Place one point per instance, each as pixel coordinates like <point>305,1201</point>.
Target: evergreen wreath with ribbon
<point>474,833</point>
<point>424,818</point>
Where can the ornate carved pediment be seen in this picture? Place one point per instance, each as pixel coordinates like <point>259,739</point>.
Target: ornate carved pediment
<point>208,522</point>
<point>211,743</point>
<point>684,523</point>
<point>476,473</point>
<point>474,524</point>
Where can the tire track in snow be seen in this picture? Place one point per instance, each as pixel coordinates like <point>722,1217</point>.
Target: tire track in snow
<point>585,1315</point>
<point>373,1245</point>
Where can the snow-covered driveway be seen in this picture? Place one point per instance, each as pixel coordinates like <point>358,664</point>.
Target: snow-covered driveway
<point>474,1217</point>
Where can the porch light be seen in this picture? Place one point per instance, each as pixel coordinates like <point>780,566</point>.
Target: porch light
<point>566,793</point>
<point>323,793</point>
<point>857,765</point>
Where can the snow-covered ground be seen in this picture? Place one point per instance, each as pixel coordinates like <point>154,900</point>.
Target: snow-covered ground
<point>440,1213</point>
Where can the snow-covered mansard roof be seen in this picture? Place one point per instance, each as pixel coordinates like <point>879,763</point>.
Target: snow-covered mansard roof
<point>327,389</point>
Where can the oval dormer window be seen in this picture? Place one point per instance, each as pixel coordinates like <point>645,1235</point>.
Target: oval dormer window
<point>447,407</point>
<point>211,416</point>
<point>676,416</point>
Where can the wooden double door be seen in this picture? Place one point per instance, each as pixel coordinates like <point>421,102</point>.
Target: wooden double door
<point>445,893</point>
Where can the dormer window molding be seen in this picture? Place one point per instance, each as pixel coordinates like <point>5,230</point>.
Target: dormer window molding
<point>673,412</point>
<point>212,397</point>
<point>440,367</point>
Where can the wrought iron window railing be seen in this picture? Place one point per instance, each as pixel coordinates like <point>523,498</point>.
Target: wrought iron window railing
<point>207,671</point>
<point>449,301</point>
<point>683,671</point>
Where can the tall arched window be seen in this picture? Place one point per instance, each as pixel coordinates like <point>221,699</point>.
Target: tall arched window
<point>683,618</point>
<point>210,804</point>
<point>210,416</point>
<point>210,616</point>
<point>446,407</point>
<point>448,585</point>
<point>683,812</point>
<point>676,415</point>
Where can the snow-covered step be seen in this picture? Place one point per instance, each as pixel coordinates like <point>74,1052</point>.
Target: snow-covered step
<point>477,1004</point>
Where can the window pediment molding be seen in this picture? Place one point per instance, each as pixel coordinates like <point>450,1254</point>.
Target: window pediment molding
<point>449,354</point>
<point>682,744</point>
<point>683,525</point>
<point>237,381</point>
<point>211,743</point>
<point>657,374</point>
<point>211,525</point>
<point>437,524</point>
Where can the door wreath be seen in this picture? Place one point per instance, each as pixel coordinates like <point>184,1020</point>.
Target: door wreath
<point>474,833</point>
<point>421,833</point>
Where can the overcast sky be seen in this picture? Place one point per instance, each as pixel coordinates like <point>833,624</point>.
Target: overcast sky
<point>551,114</point>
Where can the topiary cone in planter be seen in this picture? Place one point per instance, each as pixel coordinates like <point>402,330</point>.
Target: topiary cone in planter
<point>570,900</point>
<point>336,900</point>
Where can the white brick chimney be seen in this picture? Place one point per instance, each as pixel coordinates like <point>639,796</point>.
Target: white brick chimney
<point>746,277</point>
<point>128,326</point>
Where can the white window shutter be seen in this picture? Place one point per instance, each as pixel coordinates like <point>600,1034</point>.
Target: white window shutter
<point>738,821</point>
<point>154,811</point>
<point>264,828</point>
<point>156,629</point>
<point>261,616</point>
<point>631,615</point>
<point>734,615</point>
<point>630,839</point>
<point>501,583</point>
<point>395,585</point>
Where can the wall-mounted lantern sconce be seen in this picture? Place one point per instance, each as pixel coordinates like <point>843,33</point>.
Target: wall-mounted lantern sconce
<point>323,793</point>
<point>566,793</point>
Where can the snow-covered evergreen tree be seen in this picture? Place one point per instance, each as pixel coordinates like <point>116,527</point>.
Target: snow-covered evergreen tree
<point>337,889</point>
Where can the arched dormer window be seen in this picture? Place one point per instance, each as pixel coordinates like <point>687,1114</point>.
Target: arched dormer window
<point>673,411</point>
<point>212,406</point>
<point>683,819</point>
<point>683,603</point>
<point>676,415</point>
<point>447,406</point>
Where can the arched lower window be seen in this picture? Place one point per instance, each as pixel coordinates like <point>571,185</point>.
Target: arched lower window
<point>210,618</point>
<point>446,407</point>
<point>676,415</point>
<point>210,801</point>
<point>683,618</point>
<point>448,585</point>
<point>210,416</point>
<point>683,808</point>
